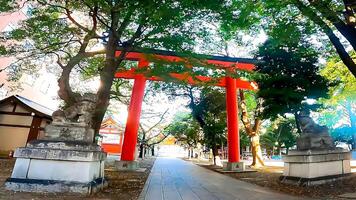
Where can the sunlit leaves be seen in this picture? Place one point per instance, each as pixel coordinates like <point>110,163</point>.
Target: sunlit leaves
<point>336,71</point>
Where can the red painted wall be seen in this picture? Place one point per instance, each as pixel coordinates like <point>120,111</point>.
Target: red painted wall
<point>112,136</point>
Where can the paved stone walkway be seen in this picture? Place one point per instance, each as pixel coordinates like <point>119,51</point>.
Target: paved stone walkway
<point>175,179</point>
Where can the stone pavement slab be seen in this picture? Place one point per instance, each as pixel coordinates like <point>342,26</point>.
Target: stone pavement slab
<point>175,179</point>
<point>348,195</point>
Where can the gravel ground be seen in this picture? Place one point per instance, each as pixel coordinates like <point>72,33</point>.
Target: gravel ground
<point>269,177</point>
<point>122,185</point>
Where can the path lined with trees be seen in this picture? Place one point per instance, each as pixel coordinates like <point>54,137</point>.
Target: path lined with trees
<point>173,178</point>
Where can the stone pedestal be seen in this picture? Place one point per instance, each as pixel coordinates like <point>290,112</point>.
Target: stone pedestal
<point>312,167</point>
<point>58,166</point>
<point>66,160</point>
<point>234,166</point>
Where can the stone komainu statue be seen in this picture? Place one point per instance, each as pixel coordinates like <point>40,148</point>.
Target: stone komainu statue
<point>74,122</point>
<point>313,136</point>
<point>80,112</point>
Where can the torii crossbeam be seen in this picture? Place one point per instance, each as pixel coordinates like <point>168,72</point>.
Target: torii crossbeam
<point>140,76</point>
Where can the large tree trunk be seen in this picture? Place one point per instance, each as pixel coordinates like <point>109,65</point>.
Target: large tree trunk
<point>65,92</point>
<point>107,73</point>
<point>215,153</point>
<point>296,117</point>
<point>106,79</point>
<point>257,158</point>
<point>153,150</point>
<point>140,155</point>
<point>347,30</point>
<point>252,132</point>
<point>142,144</point>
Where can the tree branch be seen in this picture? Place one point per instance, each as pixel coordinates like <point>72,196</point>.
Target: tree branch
<point>345,57</point>
<point>68,13</point>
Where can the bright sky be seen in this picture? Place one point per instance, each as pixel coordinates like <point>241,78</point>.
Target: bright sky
<point>152,108</point>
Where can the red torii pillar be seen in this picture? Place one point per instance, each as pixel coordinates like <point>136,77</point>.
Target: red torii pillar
<point>133,118</point>
<point>233,140</point>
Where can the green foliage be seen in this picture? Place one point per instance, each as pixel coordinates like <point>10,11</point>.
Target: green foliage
<point>239,16</point>
<point>345,89</point>
<point>244,139</point>
<point>208,111</point>
<point>2,50</point>
<point>169,25</point>
<point>7,5</point>
<point>212,109</point>
<point>288,75</point>
<point>282,133</point>
<point>185,129</point>
<point>339,112</point>
<point>315,21</point>
<point>251,101</point>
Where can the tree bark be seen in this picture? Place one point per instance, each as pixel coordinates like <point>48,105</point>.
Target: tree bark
<point>257,158</point>
<point>252,132</point>
<point>65,92</point>
<point>347,30</point>
<point>106,79</point>
<point>112,63</point>
<point>296,117</point>
<point>215,153</point>
<point>140,155</point>
<point>107,73</point>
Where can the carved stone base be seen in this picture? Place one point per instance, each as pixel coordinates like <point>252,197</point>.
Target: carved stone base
<point>234,166</point>
<point>314,141</point>
<point>126,165</point>
<point>69,132</point>
<point>58,166</point>
<point>40,185</point>
<point>314,167</point>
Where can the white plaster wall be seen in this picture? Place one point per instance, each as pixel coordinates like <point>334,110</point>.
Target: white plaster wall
<point>16,120</point>
<point>12,137</point>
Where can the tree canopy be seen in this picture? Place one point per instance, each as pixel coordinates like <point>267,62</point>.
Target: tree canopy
<point>288,77</point>
<point>73,34</point>
<point>329,24</point>
<point>339,112</point>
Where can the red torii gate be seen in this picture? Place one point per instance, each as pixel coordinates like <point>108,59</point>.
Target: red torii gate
<point>220,62</point>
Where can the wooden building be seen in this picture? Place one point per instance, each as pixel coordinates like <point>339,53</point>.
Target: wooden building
<point>21,120</point>
<point>111,136</point>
